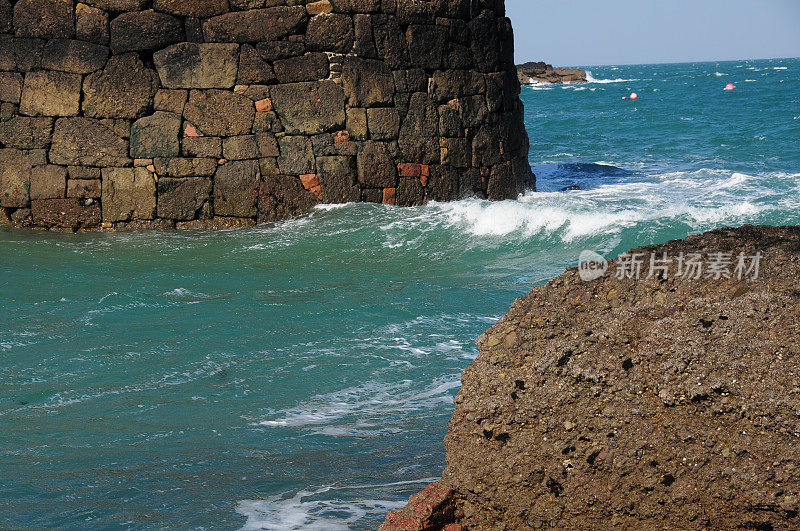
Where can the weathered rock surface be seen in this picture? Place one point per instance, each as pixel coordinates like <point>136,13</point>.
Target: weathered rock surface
<point>201,66</point>
<point>264,108</point>
<point>538,72</point>
<point>123,89</point>
<point>640,404</point>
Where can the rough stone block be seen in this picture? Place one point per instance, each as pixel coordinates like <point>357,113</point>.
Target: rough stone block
<point>384,123</point>
<point>15,178</point>
<point>240,148</point>
<point>186,167</point>
<point>410,192</point>
<point>281,49</point>
<point>24,132</point>
<point>139,31</point>
<point>69,55</point>
<point>330,33</point>
<point>364,42</point>
<point>283,196</point>
<point>337,177</point>
<point>319,7</point>
<point>310,108</point>
<point>256,25</point>
<point>83,189</point>
<point>83,141</point>
<point>51,94</point>
<point>44,18</point>
<point>220,113</point>
<point>267,145</point>
<point>28,54</point>
<point>118,5</point>
<point>10,87</point>
<point>202,146</point>
<point>501,182</point>
<point>253,68</point>
<point>267,122</point>
<point>156,136</point>
<point>236,186</point>
<point>418,136</point>
<point>367,83</point>
<point>48,182</point>
<point>84,173</point>
<point>376,167</point>
<point>202,66</point>
<point>184,199</point>
<point>6,16</point>
<point>91,24</point>
<point>73,214</point>
<point>297,156</point>
<point>443,184</point>
<point>308,67</point>
<point>357,123</point>
<point>426,45</point>
<point>456,152</point>
<point>192,8</point>
<point>7,59</point>
<point>449,84</point>
<point>170,100</point>
<point>127,194</point>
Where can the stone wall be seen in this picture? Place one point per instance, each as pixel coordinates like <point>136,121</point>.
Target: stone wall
<point>220,113</point>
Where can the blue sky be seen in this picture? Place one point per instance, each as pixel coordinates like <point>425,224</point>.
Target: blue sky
<point>601,32</point>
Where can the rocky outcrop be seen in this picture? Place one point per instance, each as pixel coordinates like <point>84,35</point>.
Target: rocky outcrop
<point>671,400</point>
<point>215,113</point>
<point>539,72</point>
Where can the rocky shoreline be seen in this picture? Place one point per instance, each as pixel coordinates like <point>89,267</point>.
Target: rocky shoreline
<point>540,72</point>
<point>668,401</point>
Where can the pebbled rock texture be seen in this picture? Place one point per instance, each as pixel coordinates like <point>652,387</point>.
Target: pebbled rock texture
<point>649,404</point>
<point>247,111</point>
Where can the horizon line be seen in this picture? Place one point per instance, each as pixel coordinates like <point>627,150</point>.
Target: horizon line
<point>671,62</point>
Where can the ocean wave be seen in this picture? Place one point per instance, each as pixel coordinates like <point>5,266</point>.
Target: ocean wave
<point>781,68</point>
<point>720,74</point>
<point>728,197</point>
<point>591,79</point>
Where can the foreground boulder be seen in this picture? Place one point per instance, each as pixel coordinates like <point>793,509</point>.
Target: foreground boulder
<point>640,404</point>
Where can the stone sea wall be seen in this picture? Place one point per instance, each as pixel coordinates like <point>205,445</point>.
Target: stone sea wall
<point>222,113</point>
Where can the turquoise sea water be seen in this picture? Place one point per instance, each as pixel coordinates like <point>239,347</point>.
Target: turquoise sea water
<point>300,375</point>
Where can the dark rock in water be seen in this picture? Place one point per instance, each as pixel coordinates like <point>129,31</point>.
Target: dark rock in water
<point>540,72</point>
<point>625,403</point>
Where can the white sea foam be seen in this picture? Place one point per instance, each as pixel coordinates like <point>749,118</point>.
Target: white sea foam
<point>347,412</point>
<point>611,208</point>
<point>317,509</point>
<point>591,79</point>
<point>720,74</point>
<point>781,68</point>
<point>302,512</point>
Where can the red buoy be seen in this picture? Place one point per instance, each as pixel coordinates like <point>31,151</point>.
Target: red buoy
<point>730,86</point>
<point>634,96</point>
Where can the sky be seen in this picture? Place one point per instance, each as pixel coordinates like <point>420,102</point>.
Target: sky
<point>606,32</point>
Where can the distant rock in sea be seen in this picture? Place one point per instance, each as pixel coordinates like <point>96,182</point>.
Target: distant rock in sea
<point>627,403</point>
<point>541,72</point>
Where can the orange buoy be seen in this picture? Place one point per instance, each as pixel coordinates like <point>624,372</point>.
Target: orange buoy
<point>730,86</point>
<point>634,96</point>
<point>624,97</point>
